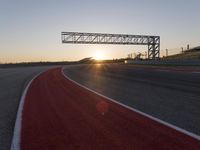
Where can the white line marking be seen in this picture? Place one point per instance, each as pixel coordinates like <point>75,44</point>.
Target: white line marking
<point>195,136</point>
<point>196,72</point>
<point>163,70</point>
<point>15,145</point>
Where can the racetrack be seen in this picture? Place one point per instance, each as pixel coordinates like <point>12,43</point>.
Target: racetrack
<point>59,114</point>
<point>170,94</point>
<point>12,83</point>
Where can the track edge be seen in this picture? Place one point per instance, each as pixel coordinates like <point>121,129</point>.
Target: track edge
<point>192,135</point>
<point>15,144</point>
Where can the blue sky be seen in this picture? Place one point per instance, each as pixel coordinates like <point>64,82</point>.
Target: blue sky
<point>30,29</point>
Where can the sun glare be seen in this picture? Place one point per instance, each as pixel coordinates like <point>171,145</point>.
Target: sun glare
<point>99,55</point>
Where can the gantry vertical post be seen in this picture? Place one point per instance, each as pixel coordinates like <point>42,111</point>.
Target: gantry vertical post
<point>154,47</point>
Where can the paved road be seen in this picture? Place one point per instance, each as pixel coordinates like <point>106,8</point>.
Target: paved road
<point>58,114</point>
<point>170,95</point>
<point>12,83</point>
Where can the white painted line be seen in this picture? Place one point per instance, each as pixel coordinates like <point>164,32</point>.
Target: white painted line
<point>15,145</point>
<point>195,136</point>
<point>196,72</point>
<point>163,70</point>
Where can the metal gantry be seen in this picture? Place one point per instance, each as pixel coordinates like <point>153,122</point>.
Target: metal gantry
<point>153,42</point>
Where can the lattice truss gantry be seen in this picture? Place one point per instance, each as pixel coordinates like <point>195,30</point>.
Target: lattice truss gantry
<point>153,42</point>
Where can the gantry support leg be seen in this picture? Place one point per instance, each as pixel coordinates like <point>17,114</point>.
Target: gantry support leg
<point>154,48</point>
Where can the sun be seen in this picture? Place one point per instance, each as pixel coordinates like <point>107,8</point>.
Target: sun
<point>99,55</point>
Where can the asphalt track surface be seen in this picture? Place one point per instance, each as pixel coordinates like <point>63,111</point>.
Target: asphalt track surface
<point>59,114</point>
<point>12,83</point>
<point>170,94</point>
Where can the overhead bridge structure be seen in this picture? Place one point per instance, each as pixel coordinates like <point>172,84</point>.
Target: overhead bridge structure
<point>153,42</point>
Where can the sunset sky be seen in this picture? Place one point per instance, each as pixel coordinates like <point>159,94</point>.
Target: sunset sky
<point>30,30</point>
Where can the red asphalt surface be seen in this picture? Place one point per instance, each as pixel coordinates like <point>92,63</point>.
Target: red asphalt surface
<point>60,115</point>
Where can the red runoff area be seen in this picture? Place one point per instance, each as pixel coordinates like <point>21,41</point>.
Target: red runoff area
<point>60,115</point>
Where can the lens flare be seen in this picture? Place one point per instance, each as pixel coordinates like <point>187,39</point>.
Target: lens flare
<point>102,107</point>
